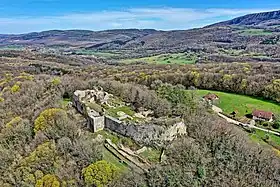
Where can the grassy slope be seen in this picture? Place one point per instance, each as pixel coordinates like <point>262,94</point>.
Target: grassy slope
<point>96,53</point>
<point>259,135</point>
<point>176,58</point>
<point>244,105</point>
<point>272,137</point>
<point>230,102</point>
<point>255,32</point>
<point>109,157</point>
<point>258,138</point>
<point>11,47</point>
<point>151,155</point>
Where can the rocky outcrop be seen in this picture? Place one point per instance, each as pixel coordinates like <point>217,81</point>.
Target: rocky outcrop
<point>173,131</point>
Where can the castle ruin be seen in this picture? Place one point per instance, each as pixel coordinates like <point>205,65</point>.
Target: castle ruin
<point>92,104</point>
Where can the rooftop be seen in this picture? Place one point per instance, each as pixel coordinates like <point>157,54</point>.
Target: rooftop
<point>211,96</point>
<point>262,114</point>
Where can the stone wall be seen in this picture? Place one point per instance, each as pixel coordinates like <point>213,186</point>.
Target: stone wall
<point>95,123</point>
<point>147,133</point>
<point>142,133</point>
<point>78,104</point>
<point>173,131</point>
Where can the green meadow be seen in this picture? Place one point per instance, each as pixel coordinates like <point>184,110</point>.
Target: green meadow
<point>241,104</point>
<point>170,58</point>
<point>96,53</point>
<point>255,32</point>
<point>12,47</point>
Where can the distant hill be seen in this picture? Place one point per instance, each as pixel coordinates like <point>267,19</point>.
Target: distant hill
<point>250,38</point>
<point>75,37</point>
<point>142,39</point>
<point>149,39</point>
<point>257,19</point>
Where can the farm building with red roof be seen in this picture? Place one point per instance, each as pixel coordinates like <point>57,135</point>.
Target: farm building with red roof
<point>262,115</point>
<point>211,97</point>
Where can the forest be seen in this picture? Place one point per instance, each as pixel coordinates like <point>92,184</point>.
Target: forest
<point>44,141</point>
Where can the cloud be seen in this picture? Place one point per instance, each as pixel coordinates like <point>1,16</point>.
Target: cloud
<point>156,18</point>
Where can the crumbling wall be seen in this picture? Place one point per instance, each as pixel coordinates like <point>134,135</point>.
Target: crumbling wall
<point>173,131</point>
<point>80,106</point>
<point>142,133</point>
<point>147,133</point>
<point>95,123</point>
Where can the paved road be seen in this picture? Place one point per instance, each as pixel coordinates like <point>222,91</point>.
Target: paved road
<point>218,110</point>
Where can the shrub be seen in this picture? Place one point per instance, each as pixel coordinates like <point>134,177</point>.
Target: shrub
<point>56,81</point>
<point>100,173</point>
<point>265,123</point>
<point>14,122</point>
<point>201,172</point>
<point>276,124</point>
<point>48,118</point>
<point>16,134</point>
<point>15,88</point>
<point>43,157</point>
<point>38,174</point>
<point>48,181</point>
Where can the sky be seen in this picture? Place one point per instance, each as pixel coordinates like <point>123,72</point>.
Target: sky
<point>23,16</point>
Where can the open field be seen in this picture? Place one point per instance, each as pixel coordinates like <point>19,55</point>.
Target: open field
<point>11,47</point>
<point>272,137</point>
<point>96,53</point>
<point>241,104</point>
<point>176,58</point>
<point>259,137</point>
<point>255,32</point>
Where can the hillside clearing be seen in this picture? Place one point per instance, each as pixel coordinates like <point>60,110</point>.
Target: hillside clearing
<point>255,32</point>
<point>241,104</point>
<point>106,55</point>
<point>176,58</point>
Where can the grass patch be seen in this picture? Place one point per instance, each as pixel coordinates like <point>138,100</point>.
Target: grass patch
<point>64,102</point>
<point>94,106</point>
<point>170,58</point>
<point>255,32</point>
<point>272,137</point>
<point>96,53</point>
<point>241,104</point>
<point>107,135</point>
<point>109,157</point>
<point>231,52</point>
<point>12,47</point>
<point>118,139</point>
<point>255,138</point>
<point>126,109</point>
<point>152,155</point>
